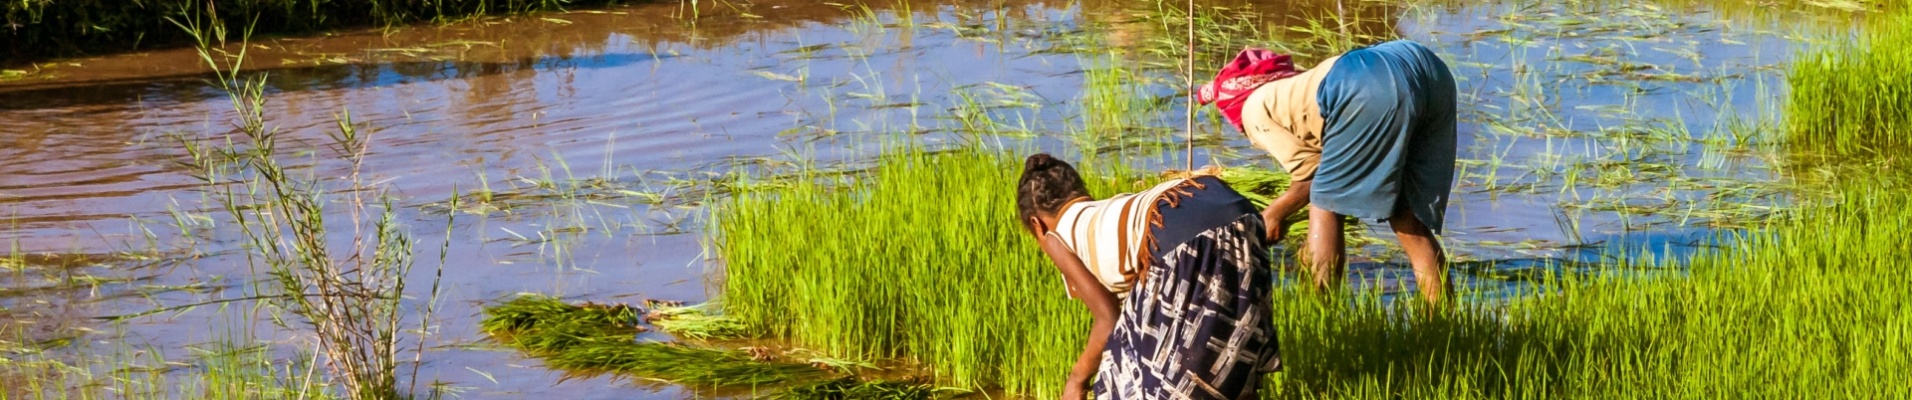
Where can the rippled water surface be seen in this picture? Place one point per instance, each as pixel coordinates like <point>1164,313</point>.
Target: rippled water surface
<point>1585,129</point>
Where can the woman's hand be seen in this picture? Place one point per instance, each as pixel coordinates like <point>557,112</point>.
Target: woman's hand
<point>1074,391</point>
<point>1276,226</point>
<point>1275,217</point>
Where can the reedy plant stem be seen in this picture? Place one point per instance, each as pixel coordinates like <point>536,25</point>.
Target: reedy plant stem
<point>351,301</point>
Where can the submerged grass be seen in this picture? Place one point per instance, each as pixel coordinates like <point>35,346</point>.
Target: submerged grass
<point>701,321</point>
<point>1854,96</point>
<point>225,369</point>
<point>852,389</point>
<point>922,259</point>
<point>594,339</point>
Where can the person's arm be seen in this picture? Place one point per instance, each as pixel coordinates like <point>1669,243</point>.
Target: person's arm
<point>1102,306</point>
<point>1290,202</point>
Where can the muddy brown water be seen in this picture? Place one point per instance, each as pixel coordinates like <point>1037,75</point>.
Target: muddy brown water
<point>89,163</point>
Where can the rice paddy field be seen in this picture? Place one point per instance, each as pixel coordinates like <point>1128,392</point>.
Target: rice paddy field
<point>804,200</point>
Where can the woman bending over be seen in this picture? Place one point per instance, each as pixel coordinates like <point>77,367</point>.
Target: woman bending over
<point>1176,277</point>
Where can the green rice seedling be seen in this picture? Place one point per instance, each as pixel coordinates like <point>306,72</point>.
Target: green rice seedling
<point>904,241</point>
<point>701,321</point>
<point>852,389</point>
<point>1798,298</point>
<point>1113,101</point>
<point>918,258</point>
<point>521,321</point>
<point>224,369</point>
<point>1115,110</point>
<point>593,339</point>
<point>1260,186</point>
<point>1854,95</point>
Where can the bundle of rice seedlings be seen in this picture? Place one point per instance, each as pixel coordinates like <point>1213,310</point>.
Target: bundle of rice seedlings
<point>592,339</point>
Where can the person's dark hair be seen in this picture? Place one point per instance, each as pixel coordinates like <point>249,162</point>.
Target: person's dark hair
<point>1046,185</point>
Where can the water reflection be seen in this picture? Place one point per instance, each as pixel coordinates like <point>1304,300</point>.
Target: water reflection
<point>638,97</point>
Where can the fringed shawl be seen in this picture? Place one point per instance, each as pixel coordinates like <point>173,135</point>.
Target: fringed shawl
<point>1111,236</point>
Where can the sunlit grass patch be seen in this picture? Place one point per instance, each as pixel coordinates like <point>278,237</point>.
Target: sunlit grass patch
<point>921,258</point>
<point>1799,307</point>
<point>1854,95</point>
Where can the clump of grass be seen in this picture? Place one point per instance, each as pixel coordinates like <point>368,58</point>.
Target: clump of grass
<point>1259,185</point>
<point>1115,103</point>
<point>1800,299</point>
<point>540,324</point>
<point>921,257</point>
<point>224,369</point>
<point>852,389</point>
<point>593,339</point>
<point>702,321</point>
<point>1854,96</point>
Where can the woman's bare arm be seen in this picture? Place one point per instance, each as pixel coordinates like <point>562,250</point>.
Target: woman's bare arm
<point>1102,306</point>
<point>1290,202</point>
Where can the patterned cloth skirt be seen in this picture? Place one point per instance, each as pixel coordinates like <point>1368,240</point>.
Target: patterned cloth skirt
<point>1198,326</point>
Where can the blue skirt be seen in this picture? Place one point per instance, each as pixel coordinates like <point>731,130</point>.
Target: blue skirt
<point>1387,140</point>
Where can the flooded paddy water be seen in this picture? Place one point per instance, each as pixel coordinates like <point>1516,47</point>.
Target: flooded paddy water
<point>585,146</point>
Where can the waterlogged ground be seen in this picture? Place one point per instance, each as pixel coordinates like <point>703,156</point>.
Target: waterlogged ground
<point>1587,129</point>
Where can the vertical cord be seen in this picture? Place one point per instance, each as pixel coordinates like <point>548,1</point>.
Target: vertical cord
<point>1341,17</point>
<point>1192,92</point>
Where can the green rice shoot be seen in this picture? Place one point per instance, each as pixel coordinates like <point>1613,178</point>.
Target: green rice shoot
<point>591,340</point>
<point>1854,95</point>
<point>922,259</point>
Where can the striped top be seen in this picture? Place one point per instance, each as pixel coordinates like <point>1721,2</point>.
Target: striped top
<point>1111,236</point>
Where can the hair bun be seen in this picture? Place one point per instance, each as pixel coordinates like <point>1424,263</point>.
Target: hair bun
<point>1038,161</point>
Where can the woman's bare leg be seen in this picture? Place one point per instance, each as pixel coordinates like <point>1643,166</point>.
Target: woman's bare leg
<point>1327,248</point>
<point>1424,252</point>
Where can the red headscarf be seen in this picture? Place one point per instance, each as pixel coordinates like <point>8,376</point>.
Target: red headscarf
<point>1249,70</point>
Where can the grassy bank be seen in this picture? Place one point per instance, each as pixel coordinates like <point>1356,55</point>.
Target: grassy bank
<point>923,260</point>
<point>1854,95</point>
<point>45,28</point>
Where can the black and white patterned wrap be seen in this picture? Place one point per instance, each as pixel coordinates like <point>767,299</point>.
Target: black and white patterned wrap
<point>1199,327</point>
